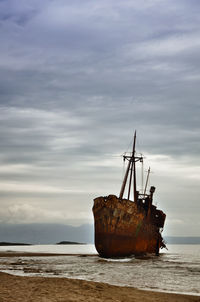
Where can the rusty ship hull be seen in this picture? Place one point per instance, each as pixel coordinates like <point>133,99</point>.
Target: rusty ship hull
<point>124,228</point>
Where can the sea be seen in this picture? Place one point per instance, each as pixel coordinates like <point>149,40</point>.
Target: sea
<point>176,270</point>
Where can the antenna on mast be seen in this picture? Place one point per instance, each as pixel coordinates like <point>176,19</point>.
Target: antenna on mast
<point>148,172</point>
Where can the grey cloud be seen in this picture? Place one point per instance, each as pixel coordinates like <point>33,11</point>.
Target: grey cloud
<point>76,80</point>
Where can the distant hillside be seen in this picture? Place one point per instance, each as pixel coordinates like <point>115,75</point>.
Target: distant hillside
<point>12,243</point>
<point>69,242</point>
<point>182,240</point>
<point>38,233</point>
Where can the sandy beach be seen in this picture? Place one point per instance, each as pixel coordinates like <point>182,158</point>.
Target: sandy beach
<point>32,289</point>
<point>52,289</point>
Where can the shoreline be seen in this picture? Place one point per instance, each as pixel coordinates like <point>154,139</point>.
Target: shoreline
<point>26,279</point>
<point>63,289</point>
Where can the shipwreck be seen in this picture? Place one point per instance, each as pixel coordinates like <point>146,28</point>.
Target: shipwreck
<point>125,227</point>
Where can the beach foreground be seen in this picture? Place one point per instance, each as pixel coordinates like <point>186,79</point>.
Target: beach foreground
<point>32,289</point>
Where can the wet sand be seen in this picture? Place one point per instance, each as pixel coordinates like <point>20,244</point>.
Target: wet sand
<point>46,289</point>
<point>31,254</point>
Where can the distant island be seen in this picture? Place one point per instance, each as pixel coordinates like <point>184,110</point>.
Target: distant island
<point>69,242</point>
<point>12,243</point>
<point>2,243</point>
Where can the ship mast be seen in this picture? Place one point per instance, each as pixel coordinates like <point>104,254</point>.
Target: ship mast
<point>132,169</point>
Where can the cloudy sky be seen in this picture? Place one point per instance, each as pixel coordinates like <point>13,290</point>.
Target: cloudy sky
<point>76,79</point>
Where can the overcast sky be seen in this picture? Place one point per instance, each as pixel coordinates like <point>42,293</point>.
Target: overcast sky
<point>76,79</point>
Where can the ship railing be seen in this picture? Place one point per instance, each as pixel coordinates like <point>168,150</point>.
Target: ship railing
<point>142,195</point>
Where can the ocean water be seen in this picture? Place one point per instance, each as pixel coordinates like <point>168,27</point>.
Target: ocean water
<point>176,270</point>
